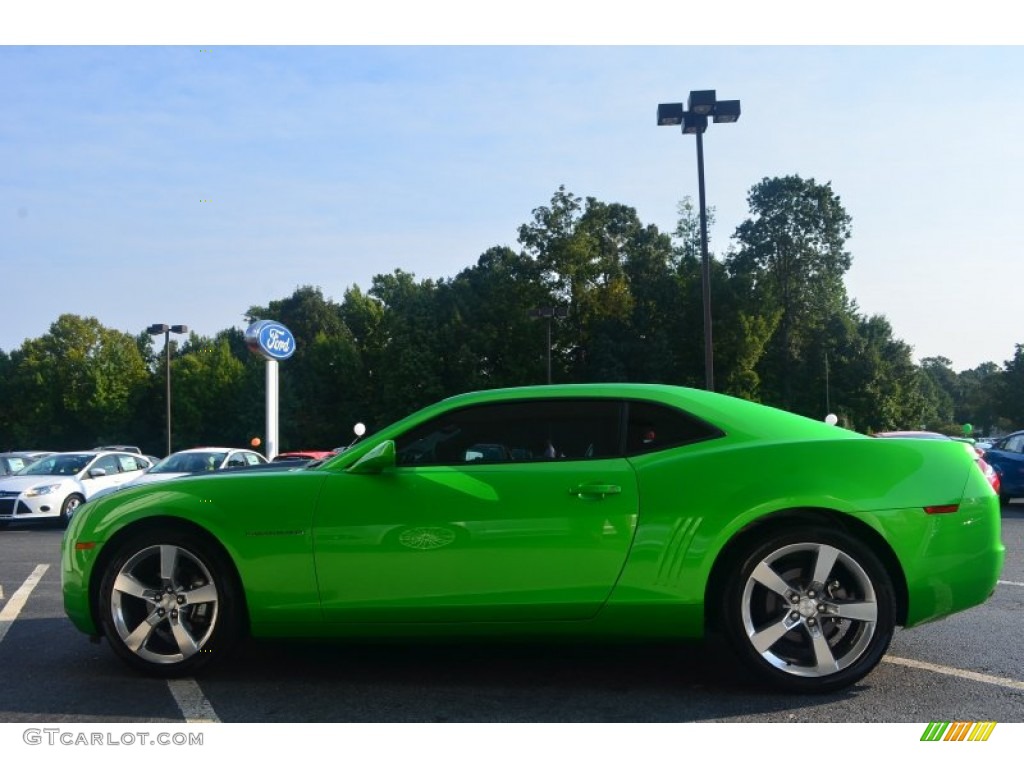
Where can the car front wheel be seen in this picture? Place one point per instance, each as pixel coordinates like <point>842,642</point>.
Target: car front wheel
<point>810,610</point>
<point>169,603</point>
<point>67,509</point>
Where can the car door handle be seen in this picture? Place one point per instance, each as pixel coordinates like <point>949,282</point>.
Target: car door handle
<point>591,490</point>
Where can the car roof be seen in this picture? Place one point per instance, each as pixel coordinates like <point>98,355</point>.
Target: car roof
<point>210,449</point>
<point>92,452</point>
<point>739,418</point>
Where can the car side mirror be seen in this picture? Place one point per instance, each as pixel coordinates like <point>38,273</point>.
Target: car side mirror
<point>98,472</point>
<point>375,461</point>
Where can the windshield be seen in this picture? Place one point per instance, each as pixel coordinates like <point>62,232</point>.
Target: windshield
<point>194,461</point>
<point>66,464</point>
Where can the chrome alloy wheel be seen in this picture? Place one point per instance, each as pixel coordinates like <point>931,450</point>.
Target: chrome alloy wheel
<point>164,604</point>
<point>809,609</point>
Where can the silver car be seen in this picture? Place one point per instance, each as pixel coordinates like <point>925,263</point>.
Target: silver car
<point>54,486</point>
<point>15,461</point>
<point>193,461</point>
<point>198,460</point>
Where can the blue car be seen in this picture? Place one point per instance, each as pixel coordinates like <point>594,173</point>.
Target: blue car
<point>1007,457</point>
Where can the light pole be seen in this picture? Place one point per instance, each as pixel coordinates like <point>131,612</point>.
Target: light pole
<point>155,330</point>
<point>549,313</point>
<point>694,119</point>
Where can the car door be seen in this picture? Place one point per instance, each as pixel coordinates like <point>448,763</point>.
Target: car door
<point>108,476</point>
<point>499,512</point>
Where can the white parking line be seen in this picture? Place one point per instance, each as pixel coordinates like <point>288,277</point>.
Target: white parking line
<point>18,600</point>
<point>1012,583</point>
<point>191,701</point>
<point>1003,682</point>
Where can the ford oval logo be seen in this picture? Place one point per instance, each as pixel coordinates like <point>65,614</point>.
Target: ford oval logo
<point>270,339</point>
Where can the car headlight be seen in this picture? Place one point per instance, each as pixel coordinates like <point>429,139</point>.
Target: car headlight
<point>42,490</point>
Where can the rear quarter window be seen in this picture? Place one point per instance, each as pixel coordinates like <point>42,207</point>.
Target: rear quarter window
<point>656,427</point>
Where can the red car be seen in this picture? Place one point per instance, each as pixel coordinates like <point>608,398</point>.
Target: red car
<point>303,455</point>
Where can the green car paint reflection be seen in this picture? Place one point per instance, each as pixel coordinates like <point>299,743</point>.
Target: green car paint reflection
<point>593,510</point>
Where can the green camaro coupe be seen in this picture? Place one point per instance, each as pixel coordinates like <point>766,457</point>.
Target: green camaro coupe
<point>609,510</point>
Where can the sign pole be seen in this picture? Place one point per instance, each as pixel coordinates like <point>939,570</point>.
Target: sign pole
<point>272,400</point>
<point>273,342</point>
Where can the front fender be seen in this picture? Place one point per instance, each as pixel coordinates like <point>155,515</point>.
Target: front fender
<point>263,522</point>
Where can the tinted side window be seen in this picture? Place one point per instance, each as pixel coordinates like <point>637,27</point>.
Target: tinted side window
<point>525,430</point>
<point>654,427</point>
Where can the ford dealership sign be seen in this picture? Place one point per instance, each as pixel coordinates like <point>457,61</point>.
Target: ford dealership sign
<point>270,339</point>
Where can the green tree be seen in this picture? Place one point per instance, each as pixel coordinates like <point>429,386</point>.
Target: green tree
<point>942,388</point>
<point>603,264</point>
<point>791,253</point>
<point>412,357</point>
<point>875,384</point>
<point>77,385</point>
<point>1010,387</point>
<point>980,391</point>
<point>209,395</point>
<point>493,340</point>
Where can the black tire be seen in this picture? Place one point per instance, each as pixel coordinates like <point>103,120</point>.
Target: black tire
<point>170,602</point>
<point>810,610</point>
<point>67,509</point>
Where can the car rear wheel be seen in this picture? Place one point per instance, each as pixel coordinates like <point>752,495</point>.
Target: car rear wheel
<point>810,610</point>
<point>67,509</point>
<point>169,602</point>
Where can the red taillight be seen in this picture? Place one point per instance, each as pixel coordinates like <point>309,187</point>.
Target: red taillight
<point>990,474</point>
<point>942,509</point>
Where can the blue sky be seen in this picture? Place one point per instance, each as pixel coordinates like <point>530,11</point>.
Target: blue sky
<point>185,183</point>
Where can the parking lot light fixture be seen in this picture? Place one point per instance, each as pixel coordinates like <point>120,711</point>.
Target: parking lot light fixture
<point>155,330</point>
<point>694,120</point>
<point>701,103</point>
<point>670,114</point>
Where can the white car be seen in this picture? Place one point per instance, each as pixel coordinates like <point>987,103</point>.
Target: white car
<point>196,461</point>
<point>54,486</point>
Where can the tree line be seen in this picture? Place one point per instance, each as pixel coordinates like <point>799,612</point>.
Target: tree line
<point>785,333</point>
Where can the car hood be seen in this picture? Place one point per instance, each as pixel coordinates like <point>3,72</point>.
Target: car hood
<point>22,482</point>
